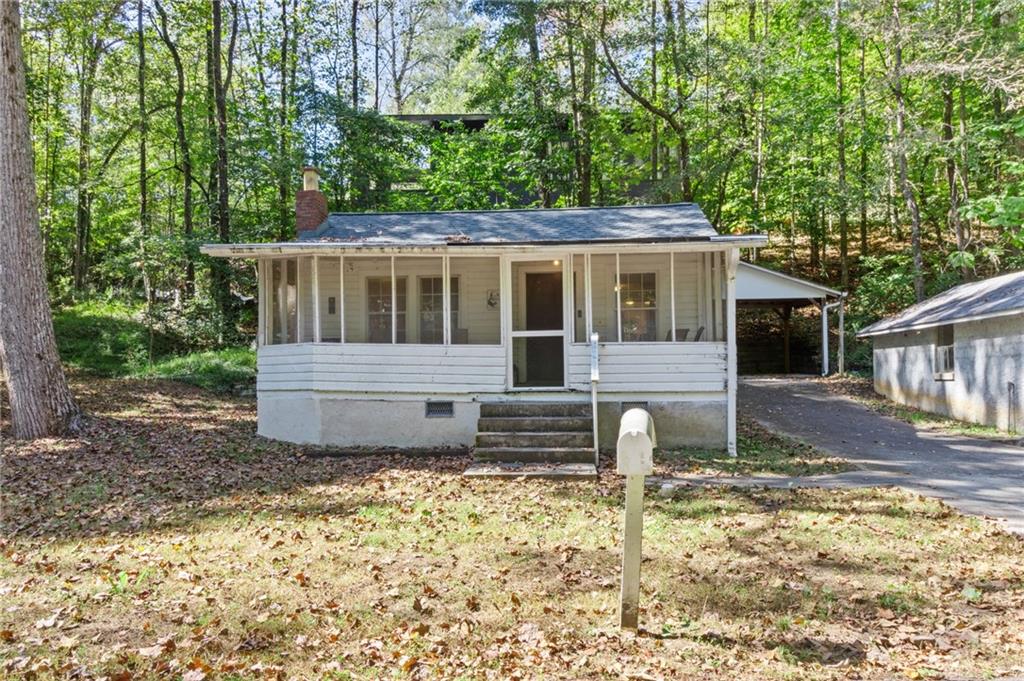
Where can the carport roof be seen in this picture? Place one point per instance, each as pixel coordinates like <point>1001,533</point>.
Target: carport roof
<point>974,301</point>
<point>758,284</point>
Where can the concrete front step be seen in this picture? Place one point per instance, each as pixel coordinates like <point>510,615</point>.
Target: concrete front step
<point>519,409</point>
<point>536,439</point>
<point>534,454</point>
<point>550,471</point>
<point>519,424</point>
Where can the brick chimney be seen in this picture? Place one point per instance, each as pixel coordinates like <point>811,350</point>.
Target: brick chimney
<point>310,203</point>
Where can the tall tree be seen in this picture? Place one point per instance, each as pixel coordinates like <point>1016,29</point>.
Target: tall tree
<point>844,237</point>
<point>184,148</point>
<point>41,402</point>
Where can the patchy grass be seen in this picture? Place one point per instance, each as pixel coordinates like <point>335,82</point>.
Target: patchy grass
<point>761,452</point>
<point>169,541</point>
<point>860,389</point>
<point>228,371</point>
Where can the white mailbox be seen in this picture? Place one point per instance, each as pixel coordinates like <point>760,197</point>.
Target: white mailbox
<point>635,447</point>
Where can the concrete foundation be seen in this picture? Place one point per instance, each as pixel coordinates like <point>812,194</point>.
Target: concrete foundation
<point>309,417</point>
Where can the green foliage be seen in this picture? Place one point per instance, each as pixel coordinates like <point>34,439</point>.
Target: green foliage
<point>230,370</point>
<point>108,338</point>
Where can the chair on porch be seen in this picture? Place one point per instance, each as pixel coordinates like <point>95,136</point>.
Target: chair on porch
<point>681,335</point>
<point>700,332</point>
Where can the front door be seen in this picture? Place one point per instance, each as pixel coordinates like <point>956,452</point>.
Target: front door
<point>538,330</point>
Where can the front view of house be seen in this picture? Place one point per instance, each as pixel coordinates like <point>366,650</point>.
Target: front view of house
<point>434,329</point>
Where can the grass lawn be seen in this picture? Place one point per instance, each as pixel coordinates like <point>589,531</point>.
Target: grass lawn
<point>169,541</point>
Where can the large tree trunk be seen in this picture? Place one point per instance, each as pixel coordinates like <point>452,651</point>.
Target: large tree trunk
<point>143,170</point>
<point>354,35</point>
<point>863,171</point>
<point>41,403</point>
<point>83,210</point>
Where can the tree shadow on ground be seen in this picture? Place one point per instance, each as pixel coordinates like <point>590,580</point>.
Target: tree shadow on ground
<point>158,455</point>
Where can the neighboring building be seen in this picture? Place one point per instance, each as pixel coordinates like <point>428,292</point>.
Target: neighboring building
<point>960,353</point>
<point>449,329</point>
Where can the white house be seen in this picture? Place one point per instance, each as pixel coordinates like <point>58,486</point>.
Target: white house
<point>500,328</point>
<point>960,353</point>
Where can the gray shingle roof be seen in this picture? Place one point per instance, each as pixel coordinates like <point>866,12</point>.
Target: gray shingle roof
<point>978,299</point>
<point>670,222</point>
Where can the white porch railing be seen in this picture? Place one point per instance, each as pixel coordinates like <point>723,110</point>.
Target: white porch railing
<point>595,377</point>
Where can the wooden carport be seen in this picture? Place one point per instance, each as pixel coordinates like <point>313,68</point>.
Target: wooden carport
<point>760,287</point>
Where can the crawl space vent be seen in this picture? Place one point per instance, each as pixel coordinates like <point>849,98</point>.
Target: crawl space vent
<point>626,406</point>
<point>440,410</point>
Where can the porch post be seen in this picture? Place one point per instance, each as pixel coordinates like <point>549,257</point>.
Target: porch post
<point>282,297</point>
<point>505,298</point>
<point>261,302</point>
<point>618,301</point>
<point>394,304</point>
<point>733,256</point>
<point>588,294</point>
<point>341,297</point>
<point>446,300</point>
<point>672,290</point>
<point>299,317</point>
<point>316,299</point>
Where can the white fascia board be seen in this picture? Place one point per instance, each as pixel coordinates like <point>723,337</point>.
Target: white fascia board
<point>294,248</point>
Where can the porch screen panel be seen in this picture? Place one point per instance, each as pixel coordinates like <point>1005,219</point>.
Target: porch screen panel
<point>423,306</point>
<point>282,295</point>
<point>687,273</point>
<point>305,298</point>
<point>329,274</point>
<point>645,298</point>
<point>602,286</point>
<point>369,300</point>
<point>579,299</point>
<point>476,300</point>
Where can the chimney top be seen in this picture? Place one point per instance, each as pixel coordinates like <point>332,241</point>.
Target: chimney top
<point>310,179</point>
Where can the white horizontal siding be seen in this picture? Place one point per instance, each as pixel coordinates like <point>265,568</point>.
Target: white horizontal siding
<point>651,367</point>
<point>382,367</point>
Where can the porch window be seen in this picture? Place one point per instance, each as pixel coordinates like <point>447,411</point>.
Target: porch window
<point>638,292</point>
<point>476,300</point>
<point>378,305</point>
<point>282,312</point>
<point>431,305</point>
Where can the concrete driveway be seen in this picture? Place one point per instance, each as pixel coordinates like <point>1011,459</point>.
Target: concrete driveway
<point>979,477</point>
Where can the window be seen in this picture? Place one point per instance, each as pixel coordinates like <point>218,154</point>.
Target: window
<point>638,294</point>
<point>944,363</point>
<point>378,305</point>
<point>432,308</point>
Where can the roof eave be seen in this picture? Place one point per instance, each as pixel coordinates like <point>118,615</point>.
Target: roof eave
<point>310,247</point>
<point>870,332</point>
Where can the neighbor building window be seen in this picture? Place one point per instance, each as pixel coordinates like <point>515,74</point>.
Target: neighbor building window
<point>944,362</point>
<point>638,293</point>
<point>432,308</point>
<point>378,304</point>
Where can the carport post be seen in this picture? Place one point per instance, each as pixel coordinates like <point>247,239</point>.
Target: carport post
<point>824,338</point>
<point>842,335</point>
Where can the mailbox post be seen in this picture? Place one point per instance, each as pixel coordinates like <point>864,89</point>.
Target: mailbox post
<point>635,460</point>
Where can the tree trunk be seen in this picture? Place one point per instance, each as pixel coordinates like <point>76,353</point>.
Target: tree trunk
<point>844,254</point>
<point>952,173</point>
<point>41,402</point>
<point>533,49</point>
<point>83,210</point>
<point>353,34</point>
<point>220,272</point>
<point>901,156</point>
<point>283,170</point>
<point>143,131</point>
<point>186,153</point>
<point>676,34</point>
<point>863,174</point>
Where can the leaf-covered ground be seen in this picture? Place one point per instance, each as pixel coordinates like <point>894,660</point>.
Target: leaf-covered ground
<point>170,542</point>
